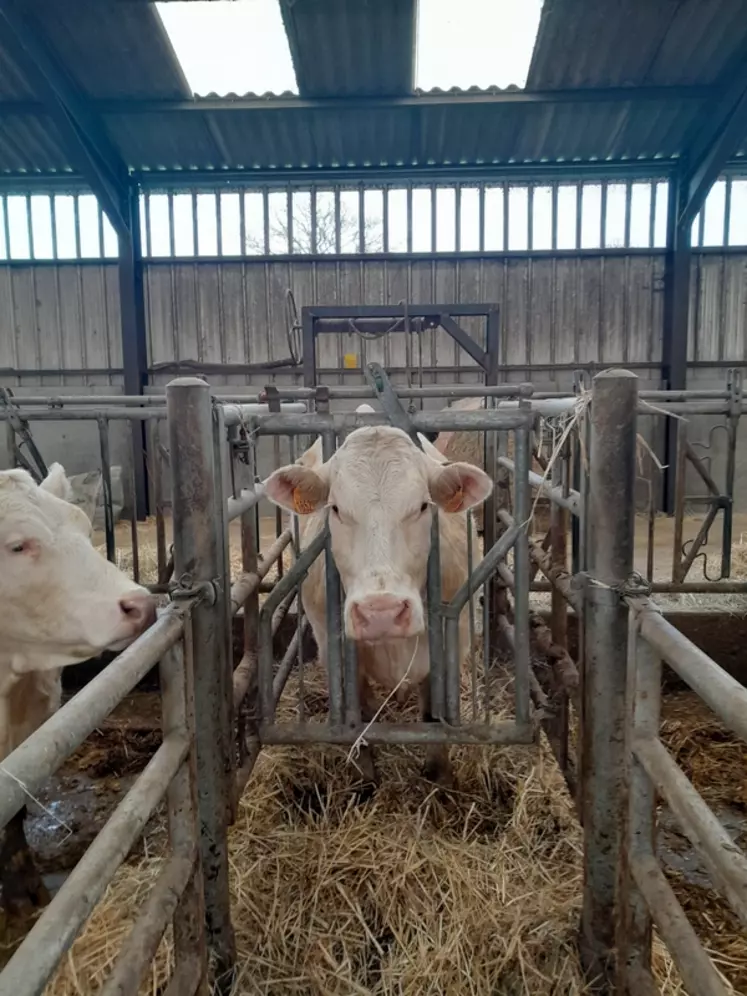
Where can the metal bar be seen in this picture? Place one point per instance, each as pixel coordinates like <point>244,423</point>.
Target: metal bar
<point>697,542</point>
<point>140,947</point>
<point>315,222</point>
<point>721,693</point>
<point>286,665</point>
<point>198,530</point>
<point>409,217</point>
<point>27,768</point>
<point>436,624</point>
<point>556,495</point>
<point>693,964</point>
<point>106,484</point>
<point>176,679</point>
<point>644,712</point>
<point>338,226</point>
<point>735,382</point>
<point>265,220</point>
<point>557,726</point>
<point>483,571</point>
<point>725,862</point>
<point>464,340</point>
<point>521,575</point>
<point>333,600</point>
<point>451,420</point>
<point>248,583</point>
<point>32,965</point>
<point>248,499</point>
<point>605,761</point>
<point>501,732</point>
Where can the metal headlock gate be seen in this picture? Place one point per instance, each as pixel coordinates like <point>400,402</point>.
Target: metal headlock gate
<point>216,718</point>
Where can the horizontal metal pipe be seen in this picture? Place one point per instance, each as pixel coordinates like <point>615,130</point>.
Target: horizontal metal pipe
<point>32,965</point>
<point>24,771</point>
<point>696,968</point>
<point>482,572</point>
<point>449,420</point>
<point>725,696</point>
<point>725,861</point>
<point>502,732</point>
<point>675,588</point>
<point>556,495</point>
<point>60,400</point>
<point>246,501</point>
<point>139,949</point>
<point>249,582</point>
<point>88,414</point>
<point>238,414</point>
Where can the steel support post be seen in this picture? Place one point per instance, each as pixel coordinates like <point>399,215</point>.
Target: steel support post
<point>198,531</point>
<point>605,762</point>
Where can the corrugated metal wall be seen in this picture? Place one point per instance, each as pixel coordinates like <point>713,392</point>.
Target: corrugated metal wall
<point>566,310</point>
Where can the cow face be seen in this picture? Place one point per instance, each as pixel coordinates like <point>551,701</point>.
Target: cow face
<point>379,489</point>
<point>62,602</point>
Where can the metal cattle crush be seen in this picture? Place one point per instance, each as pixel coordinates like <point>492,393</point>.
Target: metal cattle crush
<point>217,716</point>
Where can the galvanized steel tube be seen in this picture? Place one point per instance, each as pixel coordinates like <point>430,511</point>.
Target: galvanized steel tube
<point>522,511</point>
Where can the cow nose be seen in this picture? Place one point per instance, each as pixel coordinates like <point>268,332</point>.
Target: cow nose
<point>140,610</point>
<point>381,617</point>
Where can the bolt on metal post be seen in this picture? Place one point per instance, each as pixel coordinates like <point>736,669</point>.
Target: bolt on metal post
<point>197,551</point>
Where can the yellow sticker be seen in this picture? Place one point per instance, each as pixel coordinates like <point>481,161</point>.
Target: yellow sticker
<point>350,361</point>
<point>301,504</point>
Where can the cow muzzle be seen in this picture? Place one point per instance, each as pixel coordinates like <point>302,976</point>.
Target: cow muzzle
<point>383,617</point>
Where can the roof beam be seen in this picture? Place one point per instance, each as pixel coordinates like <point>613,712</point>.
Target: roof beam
<point>715,144</point>
<point>81,132</point>
<point>446,98</point>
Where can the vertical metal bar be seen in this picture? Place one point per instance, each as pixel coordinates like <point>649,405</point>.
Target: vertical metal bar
<point>177,698</point>
<point>558,722</point>
<point>195,227</point>
<point>106,487</point>
<point>100,226</point>
<point>603,217</point>
<point>385,218</point>
<point>29,227</point>
<point>530,216</point>
<point>76,224</point>
<point>289,212</point>
<point>554,217</point>
<point>481,217</point>
<point>458,217</point>
<point>521,572</point>
<point>491,524</point>
<point>434,219</point>
<point>628,204</point>
<point>6,227</point>
<point>196,554</point>
<point>579,209</point>
<point>435,623</point>
<point>172,237</point>
<point>156,475</point>
<point>266,218</point>
<point>314,222</point>
<point>652,216</point>
<point>361,220</point>
<point>734,388</point>
<point>409,217</point>
<point>606,764</point>
<point>338,223</point>
<point>53,219</point>
<point>218,223</point>
<point>147,241</point>
<point>505,215</point>
<point>727,211</point>
<point>701,225</point>
<point>471,618</point>
<point>679,499</point>
<point>352,698</point>
<point>242,223</point>
<point>643,711</point>
<point>134,539</point>
<point>334,612</point>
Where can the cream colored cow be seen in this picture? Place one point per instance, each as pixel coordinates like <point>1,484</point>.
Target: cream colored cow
<point>62,603</point>
<point>378,490</point>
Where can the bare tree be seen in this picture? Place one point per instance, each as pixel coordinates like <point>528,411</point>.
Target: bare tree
<point>326,242</point>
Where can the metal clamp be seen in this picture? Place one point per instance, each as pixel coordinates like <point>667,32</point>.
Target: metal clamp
<point>389,401</point>
<point>184,589</point>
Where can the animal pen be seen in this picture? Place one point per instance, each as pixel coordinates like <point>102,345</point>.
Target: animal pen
<point>216,719</point>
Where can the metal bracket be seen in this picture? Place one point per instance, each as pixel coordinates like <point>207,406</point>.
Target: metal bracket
<point>19,425</point>
<point>389,401</point>
<point>184,589</point>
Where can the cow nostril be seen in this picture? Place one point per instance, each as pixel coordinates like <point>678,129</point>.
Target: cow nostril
<point>135,608</point>
<point>403,613</point>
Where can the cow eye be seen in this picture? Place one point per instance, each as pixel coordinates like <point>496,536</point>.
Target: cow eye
<point>424,507</point>
<point>20,547</point>
<point>335,509</point>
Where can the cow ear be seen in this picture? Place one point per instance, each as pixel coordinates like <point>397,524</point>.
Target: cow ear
<point>459,486</point>
<point>57,484</point>
<point>299,489</point>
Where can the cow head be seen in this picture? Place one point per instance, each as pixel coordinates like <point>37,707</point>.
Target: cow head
<point>379,489</point>
<point>61,601</point>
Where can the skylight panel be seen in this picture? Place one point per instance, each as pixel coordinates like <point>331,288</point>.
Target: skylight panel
<point>484,43</point>
<point>230,46</point>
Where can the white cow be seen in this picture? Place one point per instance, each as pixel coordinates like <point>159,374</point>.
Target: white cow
<point>62,603</point>
<point>378,489</point>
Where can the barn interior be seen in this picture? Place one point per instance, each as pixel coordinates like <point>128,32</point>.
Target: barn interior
<point>589,215</point>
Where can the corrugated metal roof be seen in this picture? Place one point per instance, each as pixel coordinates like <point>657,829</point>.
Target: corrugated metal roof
<point>341,48</point>
<point>636,42</point>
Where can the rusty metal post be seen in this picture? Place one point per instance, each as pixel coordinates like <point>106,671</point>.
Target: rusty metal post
<point>558,723</point>
<point>606,764</point>
<point>679,499</point>
<point>197,561</point>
